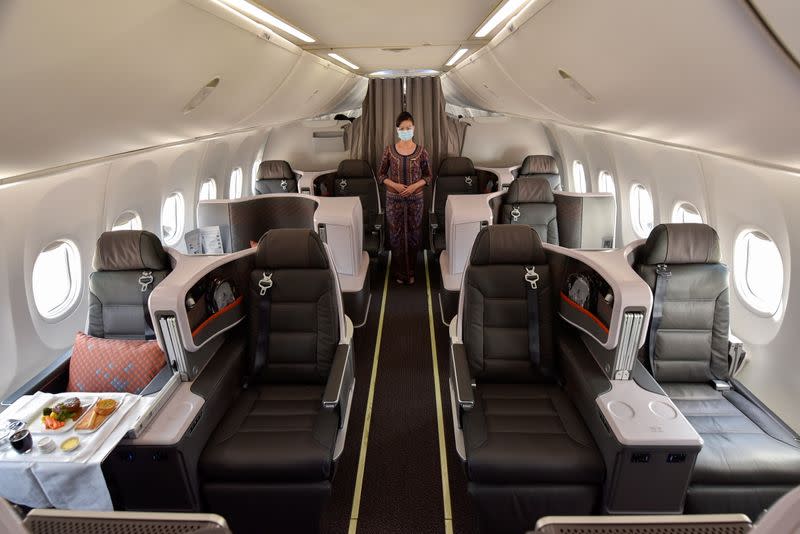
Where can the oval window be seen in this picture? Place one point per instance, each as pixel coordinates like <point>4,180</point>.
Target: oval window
<point>685,212</point>
<point>172,217</point>
<point>236,183</point>
<point>56,279</point>
<point>605,183</point>
<point>642,217</point>
<point>128,220</point>
<point>208,189</point>
<point>758,271</point>
<point>578,177</point>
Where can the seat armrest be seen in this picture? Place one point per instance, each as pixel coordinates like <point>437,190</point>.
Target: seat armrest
<point>340,379</point>
<point>377,221</point>
<point>460,377</point>
<point>433,221</point>
<point>54,373</point>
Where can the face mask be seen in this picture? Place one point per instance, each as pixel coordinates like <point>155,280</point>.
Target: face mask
<point>405,135</point>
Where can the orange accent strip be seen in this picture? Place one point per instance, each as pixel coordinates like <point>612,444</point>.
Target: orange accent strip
<point>220,312</point>
<point>581,309</point>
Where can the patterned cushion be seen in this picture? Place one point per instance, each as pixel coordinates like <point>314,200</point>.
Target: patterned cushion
<point>106,365</point>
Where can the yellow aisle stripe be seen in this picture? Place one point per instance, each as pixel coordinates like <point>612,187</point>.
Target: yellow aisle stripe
<point>448,512</point>
<point>362,456</point>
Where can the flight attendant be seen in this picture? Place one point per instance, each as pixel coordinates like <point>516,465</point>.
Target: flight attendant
<point>404,171</point>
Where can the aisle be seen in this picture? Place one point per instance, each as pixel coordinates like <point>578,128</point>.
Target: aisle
<point>401,487</point>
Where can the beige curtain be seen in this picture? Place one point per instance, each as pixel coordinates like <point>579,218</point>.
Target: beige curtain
<point>441,134</point>
<point>370,133</point>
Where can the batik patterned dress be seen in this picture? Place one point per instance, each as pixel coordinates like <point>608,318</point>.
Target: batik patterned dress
<point>404,215</point>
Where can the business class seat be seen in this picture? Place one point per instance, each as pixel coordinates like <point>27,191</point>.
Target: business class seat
<point>355,178</point>
<point>275,176</point>
<point>526,449</point>
<point>749,457</point>
<point>457,176</point>
<point>269,464</point>
<point>529,201</point>
<point>541,166</point>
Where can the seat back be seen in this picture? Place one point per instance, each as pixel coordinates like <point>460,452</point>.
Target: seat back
<point>530,201</point>
<point>304,312</point>
<point>456,176</point>
<point>494,314</point>
<point>542,166</point>
<point>117,305</point>
<point>275,176</point>
<point>691,343</point>
<point>354,178</point>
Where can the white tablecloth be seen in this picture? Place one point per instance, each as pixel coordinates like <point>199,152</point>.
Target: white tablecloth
<point>64,480</point>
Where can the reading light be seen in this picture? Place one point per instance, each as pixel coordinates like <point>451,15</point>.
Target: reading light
<point>452,61</point>
<point>340,59</point>
<point>503,13</point>
<point>259,14</point>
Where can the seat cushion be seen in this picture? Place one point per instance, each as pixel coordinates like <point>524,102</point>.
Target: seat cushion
<point>738,448</point>
<point>273,434</point>
<point>528,433</point>
<point>372,242</point>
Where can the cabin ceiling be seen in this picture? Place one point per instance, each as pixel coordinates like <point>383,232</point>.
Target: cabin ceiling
<point>360,30</point>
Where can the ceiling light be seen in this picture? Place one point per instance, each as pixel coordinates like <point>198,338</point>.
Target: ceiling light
<point>452,61</point>
<point>262,16</point>
<point>502,14</point>
<point>340,59</point>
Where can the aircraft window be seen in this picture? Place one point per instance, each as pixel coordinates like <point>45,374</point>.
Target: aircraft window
<point>172,219</point>
<point>236,183</point>
<point>758,271</point>
<point>642,217</point>
<point>578,177</point>
<point>208,190</point>
<point>128,220</point>
<point>56,279</point>
<point>605,183</point>
<point>685,212</point>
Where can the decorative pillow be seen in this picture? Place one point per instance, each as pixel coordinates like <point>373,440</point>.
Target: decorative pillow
<point>106,365</point>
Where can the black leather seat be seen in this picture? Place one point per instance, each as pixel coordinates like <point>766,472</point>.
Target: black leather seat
<point>542,166</point>
<point>526,449</point>
<point>355,178</point>
<point>749,457</point>
<point>117,304</point>
<point>530,201</point>
<point>275,176</point>
<point>457,176</point>
<point>269,464</point>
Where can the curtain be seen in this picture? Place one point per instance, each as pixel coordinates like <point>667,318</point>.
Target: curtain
<point>370,133</point>
<point>441,134</point>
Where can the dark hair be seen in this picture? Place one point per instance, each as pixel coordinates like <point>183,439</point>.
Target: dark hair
<point>404,116</point>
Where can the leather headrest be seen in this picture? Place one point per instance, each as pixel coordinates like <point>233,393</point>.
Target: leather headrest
<point>354,168</point>
<point>681,243</point>
<point>541,164</point>
<point>291,248</point>
<point>529,189</point>
<point>275,170</point>
<point>508,244</point>
<point>129,250</point>
<point>456,167</point>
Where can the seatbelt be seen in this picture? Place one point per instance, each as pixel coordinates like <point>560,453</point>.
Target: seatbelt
<point>264,311</point>
<point>663,275</point>
<point>146,287</point>
<point>534,352</point>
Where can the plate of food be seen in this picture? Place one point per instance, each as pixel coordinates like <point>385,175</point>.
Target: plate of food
<point>99,413</point>
<point>60,415</point>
